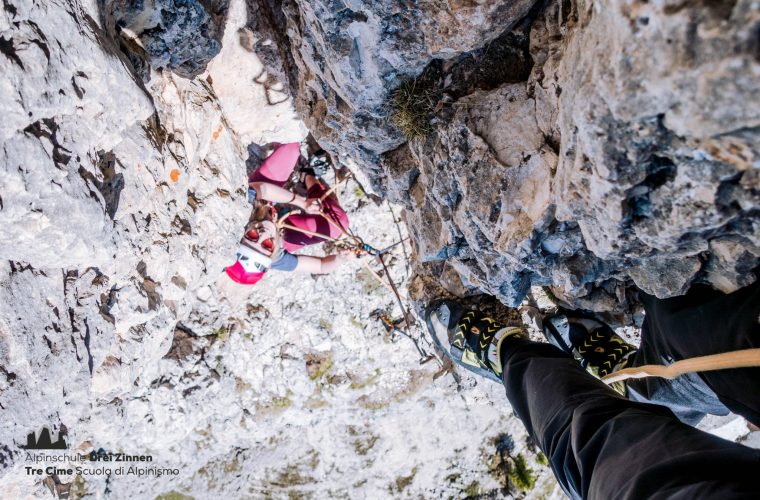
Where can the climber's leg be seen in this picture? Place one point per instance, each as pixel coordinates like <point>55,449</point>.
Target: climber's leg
<point>277,167</point>
<point>702,322</point>
<point>602,445</point>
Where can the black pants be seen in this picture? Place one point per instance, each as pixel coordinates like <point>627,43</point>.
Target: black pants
<point>701,322</point>
<point>601,445</point>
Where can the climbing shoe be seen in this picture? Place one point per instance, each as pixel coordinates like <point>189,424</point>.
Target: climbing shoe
<point>594,344</point>
<point>471,339</point>
<point>319,163</point>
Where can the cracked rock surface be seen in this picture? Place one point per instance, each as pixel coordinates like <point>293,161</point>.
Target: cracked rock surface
<point>627,154</point>
<point>123,157</point>
<point>587,146</point>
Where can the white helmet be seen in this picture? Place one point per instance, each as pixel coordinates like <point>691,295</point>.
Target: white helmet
<point>251,260</point>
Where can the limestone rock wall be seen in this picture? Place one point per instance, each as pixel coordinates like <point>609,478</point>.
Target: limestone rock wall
<point>626,154</point>
<point>179,35</point>
<point>123,156</point>
<point>117,208</point>
<point>348,55</point>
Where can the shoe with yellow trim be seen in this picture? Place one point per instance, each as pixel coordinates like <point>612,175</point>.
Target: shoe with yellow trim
<point>594,344</point>
<point>471,339</point>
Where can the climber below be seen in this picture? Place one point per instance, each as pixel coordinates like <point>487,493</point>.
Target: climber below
<point>633,441</point>
<point>284,221</point>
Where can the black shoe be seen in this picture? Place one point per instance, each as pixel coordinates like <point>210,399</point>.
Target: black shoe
<point>319,164</point>
<point>598,348</point>
<point>471,339</point>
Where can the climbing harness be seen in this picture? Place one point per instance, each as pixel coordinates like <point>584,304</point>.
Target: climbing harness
<point>746,358</point>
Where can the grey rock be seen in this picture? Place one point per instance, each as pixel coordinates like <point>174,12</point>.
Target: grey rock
<point>664,276</point>
<point>731,263</point>
<point>349,56</point>
<point>179,35</point>
<point>623,143</point>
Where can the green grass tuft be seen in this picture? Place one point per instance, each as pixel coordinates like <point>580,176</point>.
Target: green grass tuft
<point>322,369</point>
<point>402,482</point>
<point>222,333</point>
<point>174,495</point>
<point>410,108</point>
<point>361,384</point>
<point>472,490</point>
<point>521,475</point>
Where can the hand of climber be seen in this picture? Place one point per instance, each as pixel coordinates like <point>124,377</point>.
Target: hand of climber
<point>312,206</point>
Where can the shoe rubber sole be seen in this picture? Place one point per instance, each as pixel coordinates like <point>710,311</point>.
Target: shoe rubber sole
<point>453,353</point>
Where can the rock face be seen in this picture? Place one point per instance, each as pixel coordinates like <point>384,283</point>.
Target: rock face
<point>348,55</point>
<point>179,35</point>
<point>122,198</point>
<point>628,153</point>
<point>583,145</point>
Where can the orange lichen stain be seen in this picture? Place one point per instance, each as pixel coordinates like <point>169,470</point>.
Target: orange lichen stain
<point>174,175</point>
<point>216,134</point>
